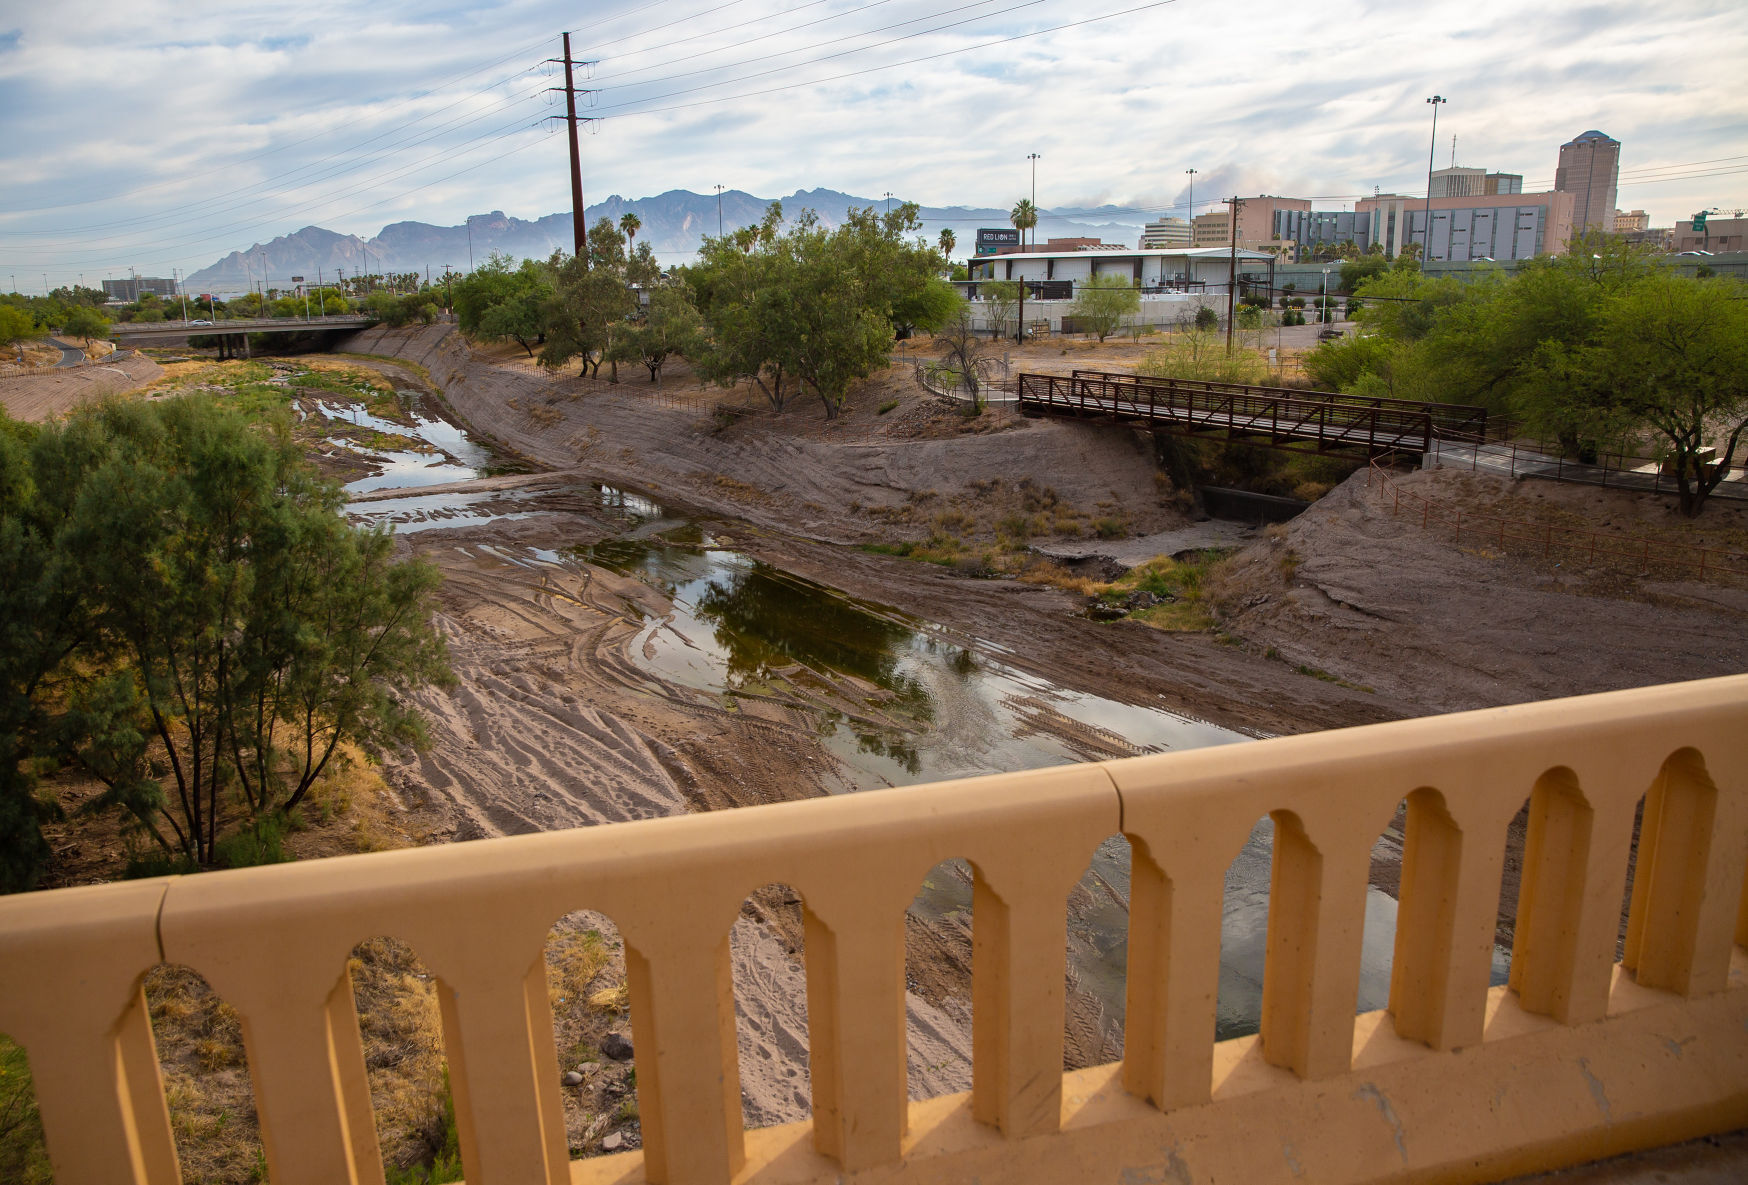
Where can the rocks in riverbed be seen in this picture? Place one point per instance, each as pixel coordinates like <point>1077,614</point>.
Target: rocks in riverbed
<point>617,1047</point>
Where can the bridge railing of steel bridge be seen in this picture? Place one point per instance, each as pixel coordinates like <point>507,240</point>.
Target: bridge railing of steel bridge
<point>1450,421</point>
<point>1376,425</point>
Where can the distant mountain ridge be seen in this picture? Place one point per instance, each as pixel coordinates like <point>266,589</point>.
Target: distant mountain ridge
<point>674,223</point>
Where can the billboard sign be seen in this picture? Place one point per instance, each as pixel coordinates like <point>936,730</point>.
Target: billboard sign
<point>990,241</point>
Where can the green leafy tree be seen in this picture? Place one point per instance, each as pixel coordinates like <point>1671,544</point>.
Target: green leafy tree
<point>738,285</point>
<point>519,315</point>
<point>238,629</point>
<point>85,321</point>
<point>1001,300</point>
<point>928,307</point>
<point>1101,303</point>
<point>1358,270</point>
<point>1669,355</point>
<point>813,306</point>
<point>591,304</point>
<point>17,325</point>
<point>669,326</point>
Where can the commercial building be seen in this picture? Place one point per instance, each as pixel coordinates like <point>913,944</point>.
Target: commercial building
<point>1166,232</point>
<point>1174,282</point>
<point>1331,228</point>
<point>1497,226</point>
<point>1589,169</point>
<point>1256,222</point>
<point>1705,233</point>
<point>1627,221</point>
<point>1467,182</point>
<point>129,290</point>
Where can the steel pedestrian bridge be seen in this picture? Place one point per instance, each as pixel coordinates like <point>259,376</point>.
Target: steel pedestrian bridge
<point>1276,416</point>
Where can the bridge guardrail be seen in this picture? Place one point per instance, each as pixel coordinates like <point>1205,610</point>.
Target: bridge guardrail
<point>1581,1053</point>
<point>1452,421</point>
<point>1378,429</point>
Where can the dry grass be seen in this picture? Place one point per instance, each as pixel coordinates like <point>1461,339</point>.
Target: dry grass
<point>1187,589</point>
<point>401,1025</point>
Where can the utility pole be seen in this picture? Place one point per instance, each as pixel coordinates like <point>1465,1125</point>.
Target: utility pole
<point>719,210</point>
<point>1426,241</point>
<point>1192,174</point>
<point>447,303</point>
<point>1237,204</point>
<point>580,224</point>
<point>889,201</point>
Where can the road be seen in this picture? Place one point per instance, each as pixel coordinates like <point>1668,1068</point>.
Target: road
<point>70,355</point>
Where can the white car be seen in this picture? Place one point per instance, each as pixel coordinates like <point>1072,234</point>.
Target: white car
<point>200,322</point>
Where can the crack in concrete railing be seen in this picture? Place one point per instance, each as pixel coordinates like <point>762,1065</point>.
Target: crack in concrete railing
<point>1597,1090</point>
<point>1371,1092</point>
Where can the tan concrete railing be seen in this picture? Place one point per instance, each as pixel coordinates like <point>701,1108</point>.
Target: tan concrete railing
<point>1577,1058</point>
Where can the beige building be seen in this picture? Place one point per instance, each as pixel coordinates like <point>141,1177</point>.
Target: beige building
<point>1256,223</point>
<point>1166,232</point>
<point>1627,221</point>
<point>1589,170</point>
<point>1479,227</point>
<point>1717,235</point>
<point>1465,182</point>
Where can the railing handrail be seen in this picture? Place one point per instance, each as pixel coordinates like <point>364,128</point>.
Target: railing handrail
<point>1237,408</point>
<point>1457,413</point>
<point>274,941</point>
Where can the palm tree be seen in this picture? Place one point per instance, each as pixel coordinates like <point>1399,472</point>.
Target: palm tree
<point>948,239</point>
<point>1024,216</point>
<point>630,223</point>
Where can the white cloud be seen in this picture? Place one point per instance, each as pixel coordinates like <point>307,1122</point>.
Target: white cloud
<point>155,134</point>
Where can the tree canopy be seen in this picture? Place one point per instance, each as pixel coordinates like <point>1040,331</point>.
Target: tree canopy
<point>1600,344</point>
<point>1101,302</point>
<point>188,615</point>
<point>818,308</point>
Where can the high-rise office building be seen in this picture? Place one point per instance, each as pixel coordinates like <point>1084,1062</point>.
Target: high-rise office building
<point>1166,232</point>
<point>1589,168</point>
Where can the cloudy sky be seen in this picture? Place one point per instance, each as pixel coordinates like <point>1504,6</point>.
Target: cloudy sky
<point>159,135</point>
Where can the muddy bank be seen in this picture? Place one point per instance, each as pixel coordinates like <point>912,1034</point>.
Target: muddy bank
<point>1441,625</point>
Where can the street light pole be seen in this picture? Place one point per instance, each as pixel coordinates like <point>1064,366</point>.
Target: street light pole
<point>719,210</point>
<point>1426,240</point>
<point>1192,174</point>
<point>1034,158</point>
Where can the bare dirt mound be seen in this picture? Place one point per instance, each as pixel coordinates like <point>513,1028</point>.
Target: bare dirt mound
<point>50,393</point>
<point>1372,598</point>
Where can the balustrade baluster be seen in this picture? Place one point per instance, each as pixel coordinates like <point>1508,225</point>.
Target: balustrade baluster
<point>71,966</point>
<point>1311,973</point>
<point>503,1067</point>
<point>688,1074</point>
<point>1684,899</point>
<point>856,1035</point>
<point>1018,946</point>
<point>1173,974</point>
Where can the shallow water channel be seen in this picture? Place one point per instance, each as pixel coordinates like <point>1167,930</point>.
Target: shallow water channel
<point>897,701</point>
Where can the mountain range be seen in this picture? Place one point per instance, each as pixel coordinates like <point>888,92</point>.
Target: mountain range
<point>674,223</point>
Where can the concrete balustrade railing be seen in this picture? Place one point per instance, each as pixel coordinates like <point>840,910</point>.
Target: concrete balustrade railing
<point>1578,1057</point>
